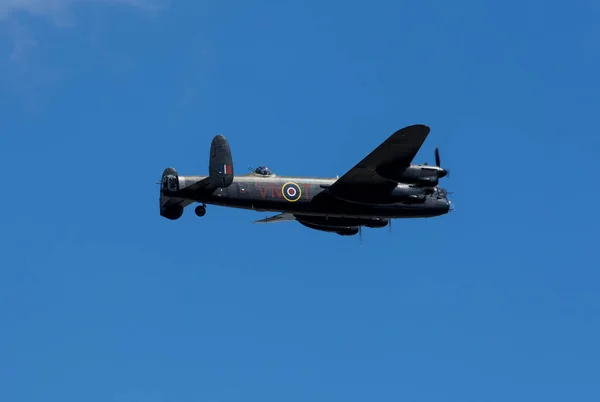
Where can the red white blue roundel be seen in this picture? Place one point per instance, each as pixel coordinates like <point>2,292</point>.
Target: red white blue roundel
<point>291,192</point>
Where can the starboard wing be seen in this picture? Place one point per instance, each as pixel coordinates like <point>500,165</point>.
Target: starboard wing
<point>277,218</point>
<point>397,151</point>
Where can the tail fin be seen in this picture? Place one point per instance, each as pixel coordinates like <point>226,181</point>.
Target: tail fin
<point>220,168</point>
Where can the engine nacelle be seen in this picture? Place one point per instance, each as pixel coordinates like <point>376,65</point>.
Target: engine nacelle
<point>348,231</point>
<point>409,194</point>
<point>340,222</point>
<point>343,231</point>
<point>423,175</point>
<point>378,223</point>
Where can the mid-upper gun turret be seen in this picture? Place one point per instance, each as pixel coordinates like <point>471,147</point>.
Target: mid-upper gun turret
<point>262,171</point>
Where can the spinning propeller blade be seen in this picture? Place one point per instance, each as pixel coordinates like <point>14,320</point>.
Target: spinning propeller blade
<point>438,162</point>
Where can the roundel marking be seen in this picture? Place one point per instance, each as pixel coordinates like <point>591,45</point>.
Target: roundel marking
<point>291,191</point>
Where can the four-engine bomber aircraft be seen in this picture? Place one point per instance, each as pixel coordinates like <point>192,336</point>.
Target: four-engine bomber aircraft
<point>383,186</point>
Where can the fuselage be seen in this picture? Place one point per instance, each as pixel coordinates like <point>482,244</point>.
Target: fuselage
<point>308,196</point>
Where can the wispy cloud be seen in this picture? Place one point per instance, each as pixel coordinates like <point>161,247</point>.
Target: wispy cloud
<point>28,73</point>
<point>59,12</point>
<point>50,8</point>
<point>22,40</point>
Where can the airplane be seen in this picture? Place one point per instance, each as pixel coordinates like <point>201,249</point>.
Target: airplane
<point>385,185</point>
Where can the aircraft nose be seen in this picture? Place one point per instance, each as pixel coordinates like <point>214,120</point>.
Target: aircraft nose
<point>442,173</point>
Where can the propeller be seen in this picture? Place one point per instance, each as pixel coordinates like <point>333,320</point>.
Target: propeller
<point>438,163</point>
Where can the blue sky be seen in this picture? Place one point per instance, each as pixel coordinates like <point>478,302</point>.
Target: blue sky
<point>101,299</point>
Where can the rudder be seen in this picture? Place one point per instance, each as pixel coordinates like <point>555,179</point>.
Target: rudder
<point>220,168</point>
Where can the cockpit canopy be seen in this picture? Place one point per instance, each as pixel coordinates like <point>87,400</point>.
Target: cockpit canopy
<point>263,170</point>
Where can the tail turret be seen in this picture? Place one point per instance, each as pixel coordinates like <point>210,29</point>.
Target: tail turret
<point>177,192</point>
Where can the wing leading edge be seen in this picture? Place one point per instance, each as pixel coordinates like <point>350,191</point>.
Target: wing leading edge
<point>397,151</point>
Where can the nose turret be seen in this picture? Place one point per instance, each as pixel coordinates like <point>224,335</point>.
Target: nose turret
<point>440,206</point>
<point>441,201</point>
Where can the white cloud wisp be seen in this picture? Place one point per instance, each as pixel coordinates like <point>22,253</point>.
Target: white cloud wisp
<point>59,12</point>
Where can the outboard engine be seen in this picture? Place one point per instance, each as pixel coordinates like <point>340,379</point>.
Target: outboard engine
<point>378,223</point>
<point>341,230</point>
<point>348,231</point>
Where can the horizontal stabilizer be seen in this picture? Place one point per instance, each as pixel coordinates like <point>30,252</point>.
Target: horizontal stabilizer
<point>220,168</point>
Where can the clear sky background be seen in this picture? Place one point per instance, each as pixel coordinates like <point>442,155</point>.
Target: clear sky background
<point>103,300</point>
